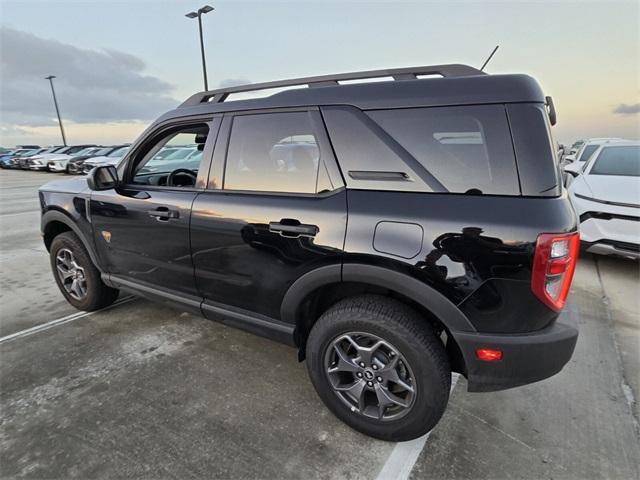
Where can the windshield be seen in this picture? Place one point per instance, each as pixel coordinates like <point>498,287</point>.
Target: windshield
<point>86,151</point>
<point>179,154</point>
<point>623,161</point>
<point>75,150</point>
<point>119,152</point>
<point>587,152</point>
<point>33,152</point>
<point>23,153</point>
<point>101,152</point>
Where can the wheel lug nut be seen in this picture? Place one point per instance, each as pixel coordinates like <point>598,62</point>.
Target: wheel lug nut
<point>359,374</point>
<point>362,364</point>
<point>370,384</point>
<point>375,367</point>
<point>379,379</point>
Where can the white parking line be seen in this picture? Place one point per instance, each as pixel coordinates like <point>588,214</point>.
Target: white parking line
<point>19,213</point>
<point>60,321</point>
<point>405,454</point>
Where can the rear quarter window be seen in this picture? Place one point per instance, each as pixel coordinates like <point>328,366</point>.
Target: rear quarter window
<point>467,149</point>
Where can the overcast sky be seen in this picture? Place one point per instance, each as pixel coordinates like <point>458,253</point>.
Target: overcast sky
<point>122,63</point>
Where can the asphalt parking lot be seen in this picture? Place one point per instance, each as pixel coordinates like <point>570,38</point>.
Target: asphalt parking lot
<point>141,390</point>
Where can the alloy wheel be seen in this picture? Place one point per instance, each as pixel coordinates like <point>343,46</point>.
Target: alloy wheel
<point>370,376</point>
<point>72,275</point>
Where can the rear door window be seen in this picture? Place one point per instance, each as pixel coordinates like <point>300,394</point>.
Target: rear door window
<point>466,149</point>
<point>275,152</point>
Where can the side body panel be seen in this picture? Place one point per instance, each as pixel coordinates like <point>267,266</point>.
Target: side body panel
<point>141,248</point>
<point>475,250</point>
<point>239,261</point>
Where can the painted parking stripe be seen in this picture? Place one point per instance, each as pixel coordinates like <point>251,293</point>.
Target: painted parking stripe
<point>29,212</point>
<point>60,321</point>
<point>405,454</point>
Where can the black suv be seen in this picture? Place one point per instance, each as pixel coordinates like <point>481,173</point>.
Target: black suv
<point>392,231</point>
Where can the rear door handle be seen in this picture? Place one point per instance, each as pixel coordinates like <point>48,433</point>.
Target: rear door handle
<point>293,228</point>
<point>164,214</point>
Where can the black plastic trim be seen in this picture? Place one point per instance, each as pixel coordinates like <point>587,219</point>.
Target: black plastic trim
<point>237,318</point>
<point>607,202</point>
<point>443,309</point>
<point>58,216</point>
<point>527,358</point>
<point>607,216</point>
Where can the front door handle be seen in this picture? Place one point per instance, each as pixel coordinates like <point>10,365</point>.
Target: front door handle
<point>164,214</point>
<point>293,228</point>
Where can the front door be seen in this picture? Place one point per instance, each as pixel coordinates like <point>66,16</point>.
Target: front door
<point>141,228</point>
<point>279,211</point>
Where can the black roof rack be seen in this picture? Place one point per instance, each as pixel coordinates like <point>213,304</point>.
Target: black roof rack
<point>410,73</point>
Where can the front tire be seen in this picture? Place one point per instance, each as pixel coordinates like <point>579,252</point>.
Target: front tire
<point>76,275</point>
<point>379,367</point>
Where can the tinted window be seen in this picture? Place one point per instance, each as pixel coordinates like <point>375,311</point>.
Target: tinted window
<point>464,148</point>
<point>119,152</point>
<point>587,152</point>
<point>276,152</point>
<point>623,161</point>
<point>155,167</point>
<point>369,158</point>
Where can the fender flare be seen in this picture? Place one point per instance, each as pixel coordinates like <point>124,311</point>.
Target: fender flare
<point>426,296</point>
<point>57,216</point>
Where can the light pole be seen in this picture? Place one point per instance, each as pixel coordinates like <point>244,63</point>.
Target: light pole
<point>198,14</point>
<point>55,102</point>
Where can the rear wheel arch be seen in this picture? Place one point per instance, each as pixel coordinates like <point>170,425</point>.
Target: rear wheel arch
<point>315,292</point>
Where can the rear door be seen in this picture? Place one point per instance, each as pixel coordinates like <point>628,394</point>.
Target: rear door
<point>141,228</point>
<point>275,208</point>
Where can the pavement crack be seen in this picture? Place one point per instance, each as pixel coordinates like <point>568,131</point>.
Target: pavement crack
<point>493,427</point>
<point>624,384</point>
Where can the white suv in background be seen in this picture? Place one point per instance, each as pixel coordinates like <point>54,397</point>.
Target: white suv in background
<point>606,196</point>
<point>587,149</point>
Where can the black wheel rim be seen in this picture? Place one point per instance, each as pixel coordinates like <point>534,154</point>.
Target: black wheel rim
<point>370,376</point>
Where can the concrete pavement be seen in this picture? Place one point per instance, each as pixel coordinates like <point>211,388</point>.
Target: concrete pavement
<point>141,390</point>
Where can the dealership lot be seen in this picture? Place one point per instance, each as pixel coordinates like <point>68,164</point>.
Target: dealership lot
<point>144,390</point>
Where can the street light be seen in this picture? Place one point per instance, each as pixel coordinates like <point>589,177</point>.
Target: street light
<point>198,14</point>
<point>55,102</point>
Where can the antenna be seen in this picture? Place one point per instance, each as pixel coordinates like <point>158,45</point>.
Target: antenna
<point>490,57</point>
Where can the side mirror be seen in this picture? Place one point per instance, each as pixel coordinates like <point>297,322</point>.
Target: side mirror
<point>571,171</point>
<point>103,177</point>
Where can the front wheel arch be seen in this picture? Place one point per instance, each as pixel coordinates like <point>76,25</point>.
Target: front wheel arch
<point>54,223</point>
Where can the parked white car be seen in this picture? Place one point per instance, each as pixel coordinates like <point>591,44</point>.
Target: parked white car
<point>112,159</point>
<point>587,149</point>
<point>61,156</point>
<point>606,197</point>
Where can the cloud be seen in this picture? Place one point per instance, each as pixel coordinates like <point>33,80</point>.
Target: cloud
<point>92,86</point>
<point>625,109</point>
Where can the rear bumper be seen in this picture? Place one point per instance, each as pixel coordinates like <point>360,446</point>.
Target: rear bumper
<point>527,358</point>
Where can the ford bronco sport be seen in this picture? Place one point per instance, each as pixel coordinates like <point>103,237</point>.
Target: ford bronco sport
<point>392,231</point>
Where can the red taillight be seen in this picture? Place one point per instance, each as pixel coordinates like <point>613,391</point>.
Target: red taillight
<point>488,354</point>
<point>553,265</point>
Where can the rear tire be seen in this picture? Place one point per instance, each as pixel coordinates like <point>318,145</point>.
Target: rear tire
<point>76,275</point>
<point>407,376</point>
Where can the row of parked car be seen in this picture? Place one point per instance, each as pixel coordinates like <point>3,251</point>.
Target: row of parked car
<point>80,159</point>
<point>75,159</point>
<point>602,176</point>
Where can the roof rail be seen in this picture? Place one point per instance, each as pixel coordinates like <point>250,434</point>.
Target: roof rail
<point>410,73</point>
